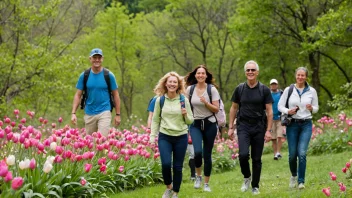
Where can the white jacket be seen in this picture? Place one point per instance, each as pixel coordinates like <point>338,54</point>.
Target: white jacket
<point>309,96</point>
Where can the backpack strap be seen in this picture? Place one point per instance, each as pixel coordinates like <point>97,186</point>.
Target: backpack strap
<point>107,78</point>
<point>209,92</point>
<point>191,94</point>
<point>85,93</point>
<point>161,103</point>
<point>241,88</point>
<point>290,90</point>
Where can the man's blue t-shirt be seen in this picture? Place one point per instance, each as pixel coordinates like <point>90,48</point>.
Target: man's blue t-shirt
<point>276,97</point>
<point>98,99</point>
<point>151,105</point>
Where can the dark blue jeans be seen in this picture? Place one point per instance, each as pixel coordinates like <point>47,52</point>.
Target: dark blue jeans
<point>251,135</point>
<point>207,138</point>
<point>298,137</point>
<point>172,148</point>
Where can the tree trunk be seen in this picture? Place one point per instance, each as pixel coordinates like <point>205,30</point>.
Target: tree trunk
<point>315,64</point>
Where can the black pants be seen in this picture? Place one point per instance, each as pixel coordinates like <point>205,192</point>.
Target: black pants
<point>251,135</point>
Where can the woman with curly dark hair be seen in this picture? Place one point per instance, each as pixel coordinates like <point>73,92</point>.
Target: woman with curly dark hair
<point>204,129</point>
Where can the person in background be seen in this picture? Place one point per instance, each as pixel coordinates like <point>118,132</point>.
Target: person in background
<point>97,105</point>
<point>277,134</point>
<point>252,106</point>
<point>171,121</point>
<point>302,103</point>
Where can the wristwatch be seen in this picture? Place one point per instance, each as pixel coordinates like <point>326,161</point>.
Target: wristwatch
<point>270,131</point>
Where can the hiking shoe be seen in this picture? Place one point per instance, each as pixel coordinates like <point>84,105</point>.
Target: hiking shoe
<point>301,186</point>
<point>293,181</point>
<point>255,191</point>
<point>198,182</point>
<point>276,158</point>
<point>167,193</point>
<point>207,188</point>
<point>193,179</point>
<point>245,184</point>
<point>278,155</point>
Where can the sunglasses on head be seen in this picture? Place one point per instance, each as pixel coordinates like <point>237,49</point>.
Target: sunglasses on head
<point>252,70</point>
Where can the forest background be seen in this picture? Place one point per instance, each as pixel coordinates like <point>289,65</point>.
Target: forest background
<point>44,47</point>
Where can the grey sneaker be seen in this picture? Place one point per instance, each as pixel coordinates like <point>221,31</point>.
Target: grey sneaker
<point>301,186</point>
<point>207,188</point>
<point>198,182</point>
<point>193,179</point>
<point>255,191</point>
<point>293,182</point>
<point>167,193</point>
<point>245,184</point>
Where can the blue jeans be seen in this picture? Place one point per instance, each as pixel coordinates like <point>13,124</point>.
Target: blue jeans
<point>172,147</point>
<point>207,138</point>
<point>298,137</point>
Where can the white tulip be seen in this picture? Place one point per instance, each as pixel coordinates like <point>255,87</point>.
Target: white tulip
<point>24,164</point>
<point>53,146</point>
<point>10,160</point>
<point>47,167</point>
<point>50,159</point>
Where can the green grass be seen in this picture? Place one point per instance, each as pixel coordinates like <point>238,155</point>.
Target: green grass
<point>274,180</point>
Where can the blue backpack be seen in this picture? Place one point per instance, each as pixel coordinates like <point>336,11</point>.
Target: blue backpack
<point>162,101</point>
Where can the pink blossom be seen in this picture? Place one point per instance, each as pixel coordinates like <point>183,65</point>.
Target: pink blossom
<point>8,176</point>
<point>60,119</point>
<point>326,191</point>
<point>58,159</point>
<point>32,164</point>
<point>7,120</point>
<point>3,169</point>
<point>23,120</point>
<point>83,181</point>
<point>333,177</point>
<point>344,169</point>
<point>13,124</point>
<point>2,133</point>
<point>121,169</point>
<point>156,155</point>
<point>59,150</point>
<point>102,161</point>
<point>348,165</point>
<point>342,187</point>
<point>103,168</point>
<point>40,146</point>
<point>16,111</point>
<point>17,183</point>
<point>87,167</point>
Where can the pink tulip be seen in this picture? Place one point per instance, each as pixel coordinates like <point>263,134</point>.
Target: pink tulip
<point>32,164</point>
<point>23,120</point>
<point>103,168</point>
<point>348,165</point>
<point>8,177</point>
<point>13,124</point>
<point>342,187</point>
<point>60,119</point>
<point>87,167</point>
<point>59,150</point>
<point>58,159</point>
<point>102,161</point>
<point>344,169</point>
<point>17,183</point>
<point>7,120</point>
<point>326,191</point>
<point>121,169</point>
<point>40,146</point>
<point>2,133</point>
<point>83,181</point>
<point>1,123</point>
<point>16,111</point>
<point>3,168</point>
<point>127,158</point>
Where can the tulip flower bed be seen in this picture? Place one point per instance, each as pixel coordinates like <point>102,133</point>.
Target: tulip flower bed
<point>38,159</point>
<point>331,135</point>
<point>66,162</point>
<point>340,187</point>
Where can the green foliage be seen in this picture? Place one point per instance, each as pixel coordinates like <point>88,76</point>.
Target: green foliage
<point>343,101</point>
<point>331,141</point>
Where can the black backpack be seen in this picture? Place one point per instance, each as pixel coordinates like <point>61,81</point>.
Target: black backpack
<point>85,93</point>
<point>261,92</point>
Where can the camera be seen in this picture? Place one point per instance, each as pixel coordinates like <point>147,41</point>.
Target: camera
<point>285,120</point>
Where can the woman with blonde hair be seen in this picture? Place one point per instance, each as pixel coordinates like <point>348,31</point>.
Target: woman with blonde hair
<point>204,129</point>
<point>171,117</point>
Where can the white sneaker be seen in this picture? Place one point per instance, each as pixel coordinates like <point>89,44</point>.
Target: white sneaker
<point>198,182</point>
<point>293,182</point>
<point>255,191</point>
<point>301,186</point>
<point>245,184</point>
<point>167,193</point>
<point>207,188</point>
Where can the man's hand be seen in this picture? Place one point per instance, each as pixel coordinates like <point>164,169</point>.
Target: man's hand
<point>267,137</point>
<point>230,133</point>
<point>117,120</point>
<point>74,119</point>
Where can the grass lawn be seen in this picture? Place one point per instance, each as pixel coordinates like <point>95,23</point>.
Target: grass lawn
<point>274,180</point>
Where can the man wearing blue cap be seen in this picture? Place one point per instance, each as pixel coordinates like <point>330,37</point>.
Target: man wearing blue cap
<point>97,88</point>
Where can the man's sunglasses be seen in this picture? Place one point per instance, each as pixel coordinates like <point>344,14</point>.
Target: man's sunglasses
<point>252,70</point>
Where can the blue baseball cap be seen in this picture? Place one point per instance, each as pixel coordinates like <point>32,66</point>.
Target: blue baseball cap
<point>96,51</point>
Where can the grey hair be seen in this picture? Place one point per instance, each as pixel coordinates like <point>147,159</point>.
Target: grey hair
<point>302,68</point>
<point>253,62</point>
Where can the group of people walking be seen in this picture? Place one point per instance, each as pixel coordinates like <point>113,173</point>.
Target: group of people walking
<point>183,106</point>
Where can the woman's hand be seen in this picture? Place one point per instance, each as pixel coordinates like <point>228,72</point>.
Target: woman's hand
<point>202,99</point>
<point>184,111</point>
<point>309,107</point>
<point>293,111</point>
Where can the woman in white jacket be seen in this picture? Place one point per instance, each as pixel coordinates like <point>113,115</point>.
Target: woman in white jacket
<point>302,103</point>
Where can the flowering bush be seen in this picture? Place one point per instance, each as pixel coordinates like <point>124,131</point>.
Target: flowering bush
<point>331,135</point>
<point>225,154</point>
<point>48,161</point>
<point>341,186</point>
